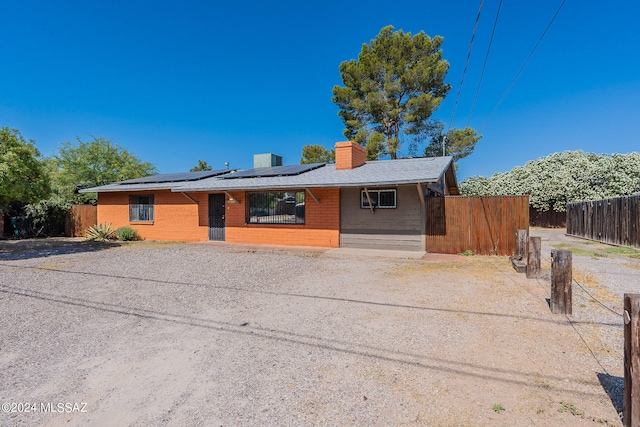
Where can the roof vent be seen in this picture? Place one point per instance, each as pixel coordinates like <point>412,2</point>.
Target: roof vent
<point>266,160</point>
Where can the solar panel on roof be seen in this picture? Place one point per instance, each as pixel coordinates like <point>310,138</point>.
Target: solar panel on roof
<point>174,177</point>
<point>274,171</point>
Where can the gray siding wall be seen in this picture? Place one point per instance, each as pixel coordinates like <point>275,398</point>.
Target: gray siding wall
<point>398,229</point>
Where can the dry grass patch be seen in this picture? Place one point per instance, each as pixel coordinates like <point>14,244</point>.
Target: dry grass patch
<point>481,267</point>
<point>54,266</point>
<point>599,292</point>
<point>584,279</point>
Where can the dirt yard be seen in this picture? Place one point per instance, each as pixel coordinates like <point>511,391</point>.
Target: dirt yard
<point>198,334</point>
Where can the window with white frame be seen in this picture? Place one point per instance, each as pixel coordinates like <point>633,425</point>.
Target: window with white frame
<point>140,208</point>
<point>383,199</point>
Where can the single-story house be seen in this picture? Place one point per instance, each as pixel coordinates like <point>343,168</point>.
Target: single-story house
<point>352,203</point>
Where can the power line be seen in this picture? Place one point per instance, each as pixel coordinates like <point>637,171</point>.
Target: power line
<point>524,65</point>
<point>455,106</point>
<point>596,300</point>
<point>586,291</point>
<point>495,23</point>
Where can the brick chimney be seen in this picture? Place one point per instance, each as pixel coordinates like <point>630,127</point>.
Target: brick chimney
<point>349,155</point>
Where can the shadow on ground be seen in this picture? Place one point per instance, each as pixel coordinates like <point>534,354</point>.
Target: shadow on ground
<point>13,250</point>
<point>614,386</point>
<point>519,377</point>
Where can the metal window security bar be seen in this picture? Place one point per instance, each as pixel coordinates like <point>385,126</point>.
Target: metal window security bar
<point>385,199</point>
<point>276,207</point>
<point>140,208</point>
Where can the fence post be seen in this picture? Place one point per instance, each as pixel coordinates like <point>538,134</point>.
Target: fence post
<point>631,402</point>
<point>522,243</point>
<point>533,257</point>
<point>561,277</point>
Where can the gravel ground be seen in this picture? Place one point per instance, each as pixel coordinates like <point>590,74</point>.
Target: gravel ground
<point>199,334</point>
<point>602,276</point>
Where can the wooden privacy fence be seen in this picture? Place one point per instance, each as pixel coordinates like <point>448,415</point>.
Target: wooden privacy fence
<point>547,219</point>
<point>484,225</point>
<point>79,218</point>
<point>614,220</point>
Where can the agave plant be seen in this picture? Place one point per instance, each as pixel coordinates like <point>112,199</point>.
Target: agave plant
<point>101,232</point>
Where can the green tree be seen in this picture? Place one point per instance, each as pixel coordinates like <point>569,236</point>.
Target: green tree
<point>23,176</point>
<point>459,143</point>
<point>90,164</point>
<point>317,154</point>
<point>392,90</point>
<point>201,166</point>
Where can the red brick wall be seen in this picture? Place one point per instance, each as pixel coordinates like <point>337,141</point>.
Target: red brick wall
<point>349,155</point>
<point>175,216</point>
<point>178,218</point>
<point>321,228</point>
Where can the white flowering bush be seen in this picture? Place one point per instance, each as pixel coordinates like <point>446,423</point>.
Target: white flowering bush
<point>560,178</point>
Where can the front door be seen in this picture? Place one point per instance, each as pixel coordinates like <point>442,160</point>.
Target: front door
<point>216,217</point>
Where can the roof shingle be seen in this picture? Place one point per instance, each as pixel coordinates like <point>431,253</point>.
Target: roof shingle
<point>373,173</point>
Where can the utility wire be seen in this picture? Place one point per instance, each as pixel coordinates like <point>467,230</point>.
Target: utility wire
<point>587,292</point>
<point>495,23</point>
<point>596,300</point>
<point>455,106</point>
<point>572,323</point>
<point>585,343</point>
<point>504,95</point>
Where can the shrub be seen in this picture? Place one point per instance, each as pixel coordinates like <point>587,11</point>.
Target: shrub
<point>101,232</point>
<point>45,218</point>
<point>127,233</point>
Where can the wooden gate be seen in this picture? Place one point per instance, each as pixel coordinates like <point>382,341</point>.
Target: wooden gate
<point>79,218</point>
<point>483,225</point>
<point>216,217</point>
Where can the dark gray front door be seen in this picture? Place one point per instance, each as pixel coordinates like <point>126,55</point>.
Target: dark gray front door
<point>216,217</point>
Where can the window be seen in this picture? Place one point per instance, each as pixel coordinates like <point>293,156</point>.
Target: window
<point>273,207</point>
<point>379,199</point>
<point>141,208</point>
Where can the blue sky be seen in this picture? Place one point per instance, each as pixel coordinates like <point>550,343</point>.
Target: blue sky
<point>175,82</point>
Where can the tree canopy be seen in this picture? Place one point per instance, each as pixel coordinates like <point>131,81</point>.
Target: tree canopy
<point>317,154</point>
<point>560,178</point>
<point>201,166</point>
<point>90,164</point>
<point>22,175</point>
<point>459,143</point>
<point>391,91</point>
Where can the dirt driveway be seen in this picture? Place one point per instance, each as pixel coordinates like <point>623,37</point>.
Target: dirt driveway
<point>197,334</point>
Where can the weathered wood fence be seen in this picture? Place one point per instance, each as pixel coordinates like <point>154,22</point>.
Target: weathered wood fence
<point>484,225</point>
<point>547,219</point>
<point>614,220</point>
<point>79,218</point>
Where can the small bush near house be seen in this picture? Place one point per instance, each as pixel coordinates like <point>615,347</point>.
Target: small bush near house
<point>101,232</point>
<point>127,234</point>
